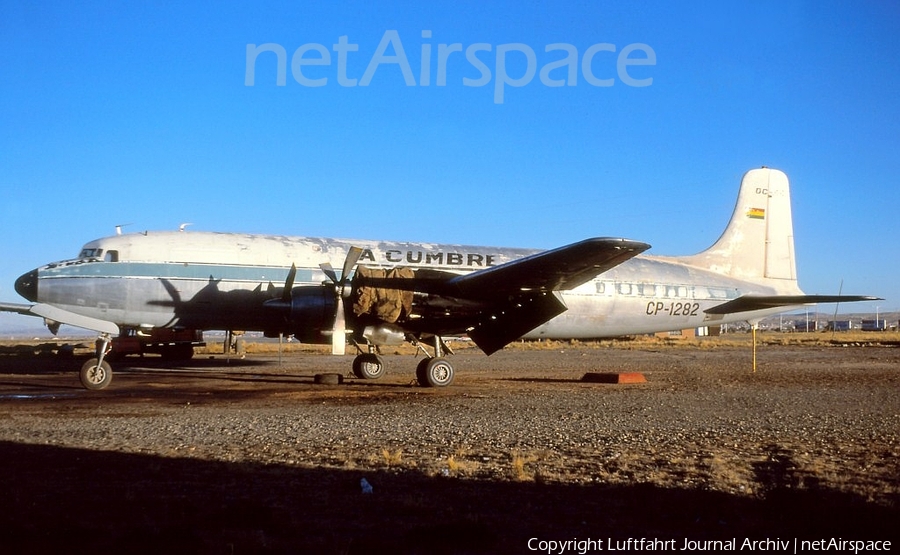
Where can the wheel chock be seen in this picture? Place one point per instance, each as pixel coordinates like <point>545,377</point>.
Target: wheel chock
<point>614,377</point>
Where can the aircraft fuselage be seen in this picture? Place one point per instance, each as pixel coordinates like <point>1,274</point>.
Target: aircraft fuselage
<point>221,280</point>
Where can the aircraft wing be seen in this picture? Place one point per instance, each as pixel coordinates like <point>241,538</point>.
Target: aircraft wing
<point>523,294</point>
<point>497,305</point>
<point>554,270</point>
<point>15,307</point>
<point>54,314</point>
<point>747,303</point>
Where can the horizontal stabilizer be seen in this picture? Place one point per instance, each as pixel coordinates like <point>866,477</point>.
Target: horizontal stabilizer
<point>748,303</point>
<point>62,316</point>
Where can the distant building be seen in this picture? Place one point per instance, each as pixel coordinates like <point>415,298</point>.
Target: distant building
<point>839,325</point>
<point>806,325</point>
<point>874,325</point>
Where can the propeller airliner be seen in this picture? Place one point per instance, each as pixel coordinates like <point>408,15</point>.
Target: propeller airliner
<point>391,292</point>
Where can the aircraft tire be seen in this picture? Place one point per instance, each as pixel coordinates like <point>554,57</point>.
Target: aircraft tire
<point>420,372</point>
<point>95,377</point>
<point>434,372</point>
<point>368,366</point>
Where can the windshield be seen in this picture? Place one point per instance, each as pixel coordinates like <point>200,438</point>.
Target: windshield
<point>91,253</point>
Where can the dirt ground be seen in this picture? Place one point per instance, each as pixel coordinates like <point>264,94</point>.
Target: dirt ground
<point>518,451</point>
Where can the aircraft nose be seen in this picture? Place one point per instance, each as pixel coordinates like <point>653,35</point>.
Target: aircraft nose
<point>27,285</point>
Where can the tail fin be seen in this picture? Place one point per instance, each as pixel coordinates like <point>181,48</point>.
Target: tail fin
<point>758,243</point>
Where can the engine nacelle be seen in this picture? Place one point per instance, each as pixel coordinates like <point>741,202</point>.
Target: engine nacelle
<point>309,312</point>
<point>312,311</point>
<point>384,334</point>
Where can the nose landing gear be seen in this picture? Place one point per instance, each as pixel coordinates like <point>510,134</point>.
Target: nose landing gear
<point>96,372</point>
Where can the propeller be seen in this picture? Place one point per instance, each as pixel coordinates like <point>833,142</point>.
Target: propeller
<point>289,284</point>
<point>338,331</point>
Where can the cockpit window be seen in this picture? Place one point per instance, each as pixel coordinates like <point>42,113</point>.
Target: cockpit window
<point>91,253</point>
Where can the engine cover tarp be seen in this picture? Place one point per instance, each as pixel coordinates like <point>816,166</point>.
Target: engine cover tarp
<point>375,296</point>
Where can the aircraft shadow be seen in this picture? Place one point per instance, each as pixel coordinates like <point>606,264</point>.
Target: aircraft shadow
<point>26,374</point>
<point>69,500</point>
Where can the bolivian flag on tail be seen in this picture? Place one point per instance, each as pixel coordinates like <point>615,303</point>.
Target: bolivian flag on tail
<point>756,213</point>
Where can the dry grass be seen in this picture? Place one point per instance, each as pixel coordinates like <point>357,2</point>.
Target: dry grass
<point>518,470</point>
<point>455,467</point>
<point>253,346</point>
<point>460,463</point>
<point>638,342</point>
<point>392,458</point>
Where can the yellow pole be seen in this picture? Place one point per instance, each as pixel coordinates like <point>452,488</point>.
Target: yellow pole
<point>753,327</point>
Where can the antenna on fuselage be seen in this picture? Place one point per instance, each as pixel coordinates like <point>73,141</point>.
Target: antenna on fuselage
<point>119,228</point>
<point>182,226</point>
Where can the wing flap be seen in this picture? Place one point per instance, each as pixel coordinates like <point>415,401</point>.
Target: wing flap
<point>748,303</point>
<point>498,328</point>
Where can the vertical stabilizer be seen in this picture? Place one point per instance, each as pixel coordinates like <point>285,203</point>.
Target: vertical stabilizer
<point>759,240</point>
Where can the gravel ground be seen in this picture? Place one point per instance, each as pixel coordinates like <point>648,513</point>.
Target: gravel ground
<point>251,456</point>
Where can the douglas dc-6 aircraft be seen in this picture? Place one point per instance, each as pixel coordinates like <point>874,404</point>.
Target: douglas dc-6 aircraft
<point>388,292</point>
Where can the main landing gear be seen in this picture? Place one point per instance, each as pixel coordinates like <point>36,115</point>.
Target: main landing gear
<point>368,366</point>
<point>432,371</point>
<point>435,371</point>
<point>96,372</point>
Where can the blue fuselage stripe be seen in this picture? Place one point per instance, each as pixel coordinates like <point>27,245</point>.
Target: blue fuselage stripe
<point>175,270</point>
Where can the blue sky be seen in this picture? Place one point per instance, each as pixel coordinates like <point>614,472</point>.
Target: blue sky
<point>138,113</point>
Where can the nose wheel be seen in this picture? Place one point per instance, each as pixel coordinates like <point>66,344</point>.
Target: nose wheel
<point>96,373</point>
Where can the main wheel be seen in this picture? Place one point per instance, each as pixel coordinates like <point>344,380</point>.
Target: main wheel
<point>434,372</point>
<point>94,376</point>
<point>368,366</point>
<point>420,372</point>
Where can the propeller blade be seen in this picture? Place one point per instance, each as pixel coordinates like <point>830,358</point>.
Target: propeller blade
<point>329,271</point>
<point>289,283</point>
<point>339,329</point>
<point>352,258</point>
<point>338,332</point>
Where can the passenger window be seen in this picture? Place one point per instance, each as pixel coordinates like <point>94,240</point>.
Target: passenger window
<point>648,290</point>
